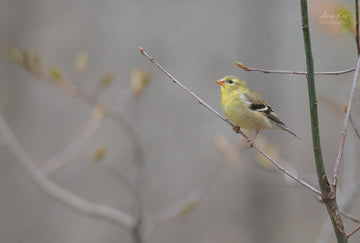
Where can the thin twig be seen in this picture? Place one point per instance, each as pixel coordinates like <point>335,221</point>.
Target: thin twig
<point>349,235</point>
<point>354,126</point>
<point>305,184</point>
<point>282,169</point>
<point>346,122</point>
<point>73,148</point>
<point>67,198</point>
<point>188,90</point>
<point>268,71</point>
<point>346,215</point>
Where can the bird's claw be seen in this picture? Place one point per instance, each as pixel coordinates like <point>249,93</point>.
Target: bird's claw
<point>236,129</point>
<point>250,143</point>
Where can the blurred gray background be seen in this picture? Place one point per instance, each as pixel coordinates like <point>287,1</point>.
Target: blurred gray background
<point>198,42</point>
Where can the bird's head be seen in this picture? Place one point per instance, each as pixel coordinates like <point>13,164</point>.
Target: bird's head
<point>230,83</point>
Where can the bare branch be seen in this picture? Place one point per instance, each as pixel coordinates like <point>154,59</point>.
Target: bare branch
<point>67,198</point>
<point>189,91</point>
<point>346,122</point>
<point>282,169</point>
<point>266,71</point>
<point>346,215</point>
<point>349,235</point>
<point>305,184</point>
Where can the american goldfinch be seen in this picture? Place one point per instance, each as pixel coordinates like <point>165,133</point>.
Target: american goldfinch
<point>246,108</point>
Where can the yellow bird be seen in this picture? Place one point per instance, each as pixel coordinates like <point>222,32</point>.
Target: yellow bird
<point>247,109</point>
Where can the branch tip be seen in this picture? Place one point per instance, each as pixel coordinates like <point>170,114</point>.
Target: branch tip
<point>349,235</point>
<point>346,123</point>
<point>241,65</point>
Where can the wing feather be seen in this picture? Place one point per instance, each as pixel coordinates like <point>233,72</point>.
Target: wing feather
<point>257,103</point>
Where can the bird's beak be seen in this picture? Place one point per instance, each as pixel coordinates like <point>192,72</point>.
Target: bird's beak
<point>221,82</point>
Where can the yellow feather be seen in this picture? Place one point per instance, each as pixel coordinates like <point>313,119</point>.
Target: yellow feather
<point>237,100</point>
<point>236,108</point>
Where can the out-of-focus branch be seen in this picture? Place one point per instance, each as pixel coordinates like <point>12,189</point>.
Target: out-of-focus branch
<point>67,198</point>
<point>348,216</point>
<point>184,206</point>
<point>266,71</point>
<point>198,99</point>
<point>56,79</point>
<point>32,64</point>
<point>70,151</point>
<point>347,200</point>
<point>336,109</point>
<point>346,123</point>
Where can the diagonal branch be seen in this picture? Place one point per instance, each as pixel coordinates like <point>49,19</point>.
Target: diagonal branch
<point>277,165</point>
<point>91,209</point>
<point>356,230</point>
<point>346,123</point>
<point>346,215</point>
<point>70,151</point>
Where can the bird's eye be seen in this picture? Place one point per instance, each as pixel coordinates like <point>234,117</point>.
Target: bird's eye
<point>230,82</point>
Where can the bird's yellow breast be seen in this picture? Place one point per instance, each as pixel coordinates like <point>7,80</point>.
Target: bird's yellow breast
<point>237,110</point>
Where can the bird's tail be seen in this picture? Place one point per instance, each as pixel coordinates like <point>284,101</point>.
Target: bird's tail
<point>285,128</point>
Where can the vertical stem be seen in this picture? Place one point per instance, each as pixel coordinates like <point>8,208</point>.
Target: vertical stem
<point>328,195</point>
<point>312,95</point>
<point>357,26</point>
<point>346,123</point>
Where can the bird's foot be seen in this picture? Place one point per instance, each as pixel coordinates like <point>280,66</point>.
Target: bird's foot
<point>250,143</point>
<point>236,129</point>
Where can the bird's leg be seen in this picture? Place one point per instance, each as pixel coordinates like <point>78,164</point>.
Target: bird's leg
<point>251,141</point>
<point>236,129</point>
